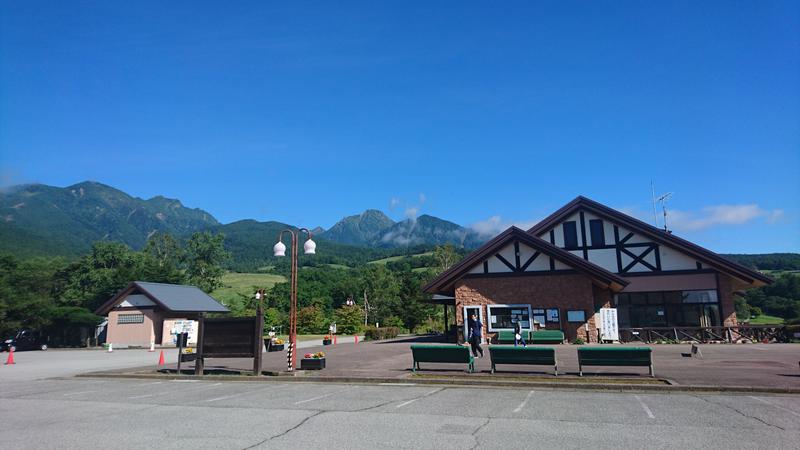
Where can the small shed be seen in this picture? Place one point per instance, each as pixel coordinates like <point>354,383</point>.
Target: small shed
<point>136,314</point>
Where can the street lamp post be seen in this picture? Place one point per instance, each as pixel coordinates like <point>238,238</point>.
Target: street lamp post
<point>309,248</point>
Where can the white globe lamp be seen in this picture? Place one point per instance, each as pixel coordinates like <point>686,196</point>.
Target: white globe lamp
<point>310,247</point>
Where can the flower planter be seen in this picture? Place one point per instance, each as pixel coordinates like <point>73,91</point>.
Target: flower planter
<point>312,363</point>
<point>326,342</point>
<point>276,347</point>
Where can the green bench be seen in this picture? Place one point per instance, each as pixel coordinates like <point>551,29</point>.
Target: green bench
<point>546,337</point>
<point>441,353</point>
<point>615,356</point>
<point>508,336</point>
<point>536,356</point>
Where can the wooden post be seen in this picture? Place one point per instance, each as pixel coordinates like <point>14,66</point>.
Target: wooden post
<point>198,363</point>
<point>446,336</point>
<point>259,341</point>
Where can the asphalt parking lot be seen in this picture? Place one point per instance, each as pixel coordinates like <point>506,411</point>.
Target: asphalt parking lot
<point>128,413</point>
<point>43,406</point>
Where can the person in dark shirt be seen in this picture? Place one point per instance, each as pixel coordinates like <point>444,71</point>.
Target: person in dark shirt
<point>475,332</point>
<point>518,335</point>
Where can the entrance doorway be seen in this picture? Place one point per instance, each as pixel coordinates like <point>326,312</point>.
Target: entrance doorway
<point>468,312</point>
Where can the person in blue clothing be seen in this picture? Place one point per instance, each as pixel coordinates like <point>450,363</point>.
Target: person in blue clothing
<point>475,333</point>
<point>518,335</point>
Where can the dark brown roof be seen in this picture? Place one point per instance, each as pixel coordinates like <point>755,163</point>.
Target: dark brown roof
<point>656,234</point>
<point>443,283</point>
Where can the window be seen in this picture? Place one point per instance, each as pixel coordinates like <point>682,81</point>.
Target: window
<point>503,317</point>
<point>538,316</point>
<point>570,235</point>
<point>597,233</point>
<point>552,315</point>
<point>576,316</point>
<point>668,308</point>
<point>699,296</point>
<point>130,318</point>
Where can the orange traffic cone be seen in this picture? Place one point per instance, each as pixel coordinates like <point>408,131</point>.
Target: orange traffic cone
<point>10,359</point>
<point>161,358</point>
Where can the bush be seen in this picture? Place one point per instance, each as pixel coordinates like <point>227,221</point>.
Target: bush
<point>578,341</point>
<point>311,320</point>
<point>349,320</point>
<point>377,334</point>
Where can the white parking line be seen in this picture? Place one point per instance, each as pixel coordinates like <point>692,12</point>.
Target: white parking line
<point>646,409</point>
<point>241,393</point>
<point>524,402</point>
<point>320,397</point>
<point>78,393</point>
<point>776,406</point>
<point>408,402</point>
<point>172,392</point>
<point>398,384</point>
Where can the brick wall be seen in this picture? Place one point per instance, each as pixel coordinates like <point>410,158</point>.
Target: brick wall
<point>565,292</point>
<point>725,293</point>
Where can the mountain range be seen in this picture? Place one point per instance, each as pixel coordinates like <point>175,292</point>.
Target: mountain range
<point>45,220</point>
<point>41,220</point>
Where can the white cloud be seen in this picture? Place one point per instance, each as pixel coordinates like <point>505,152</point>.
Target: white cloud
<point>719,215</point>
<point>411,213</point>
<point>495,224</point>
<point>394,202</point>
<point>422,198</point>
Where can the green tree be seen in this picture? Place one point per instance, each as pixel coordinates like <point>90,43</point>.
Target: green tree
<point>382,291</point>
<point>96,277</point>
<point>205,254</point>
<point>446,256</point>
<point>349,319</point>
<point>163,257</point>
<point>310,320</point>
<point>28,292</point>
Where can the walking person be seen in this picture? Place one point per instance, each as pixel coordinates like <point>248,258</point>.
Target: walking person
<point>518,334</point>
<point>475,333</point>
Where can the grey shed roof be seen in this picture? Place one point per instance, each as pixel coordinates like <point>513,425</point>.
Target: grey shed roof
<point>172,297</point>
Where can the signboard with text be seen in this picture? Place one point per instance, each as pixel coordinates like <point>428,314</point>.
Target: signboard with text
<point>609,330</point>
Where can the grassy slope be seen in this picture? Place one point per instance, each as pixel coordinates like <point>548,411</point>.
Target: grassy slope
<point>766,320</point>
<point>244,283</point>
<point>397,258</point>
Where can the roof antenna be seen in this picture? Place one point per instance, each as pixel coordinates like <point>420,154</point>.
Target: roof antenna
<point>653,194</point>
<point>663,200</point>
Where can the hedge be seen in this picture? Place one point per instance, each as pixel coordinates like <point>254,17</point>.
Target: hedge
<point>377,334</point>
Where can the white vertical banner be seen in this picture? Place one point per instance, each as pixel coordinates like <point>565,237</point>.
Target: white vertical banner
<point>609,330</point>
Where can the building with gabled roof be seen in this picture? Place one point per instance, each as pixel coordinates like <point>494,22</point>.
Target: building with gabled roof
<point>587,256</point>
<point>136,314</point>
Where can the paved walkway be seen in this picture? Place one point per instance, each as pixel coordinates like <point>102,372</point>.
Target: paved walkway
<point>732,365</point>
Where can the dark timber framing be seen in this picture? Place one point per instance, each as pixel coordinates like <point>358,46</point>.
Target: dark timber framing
<point>513,235</point>
<point>659,237</point>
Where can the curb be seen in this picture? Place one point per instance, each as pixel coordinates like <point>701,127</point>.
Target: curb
<point>565,385</point>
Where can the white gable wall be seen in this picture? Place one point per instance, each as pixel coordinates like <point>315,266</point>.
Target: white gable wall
<point>606,258</point>
<point>540,264</point>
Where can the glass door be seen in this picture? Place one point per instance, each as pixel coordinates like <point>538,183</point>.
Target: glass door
<point>468,312</point>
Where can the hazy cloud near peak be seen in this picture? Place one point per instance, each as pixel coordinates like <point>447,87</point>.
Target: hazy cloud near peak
<point>495,224</point>
<point>394,202</point>
<point>709,216</point>
<point>720,215</point>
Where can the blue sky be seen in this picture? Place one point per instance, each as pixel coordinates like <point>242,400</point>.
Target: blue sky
<point>484,114</point>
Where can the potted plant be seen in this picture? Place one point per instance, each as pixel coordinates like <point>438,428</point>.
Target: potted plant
<point>313,361</point>
<point>276,345</point>
<point>327,340</point>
